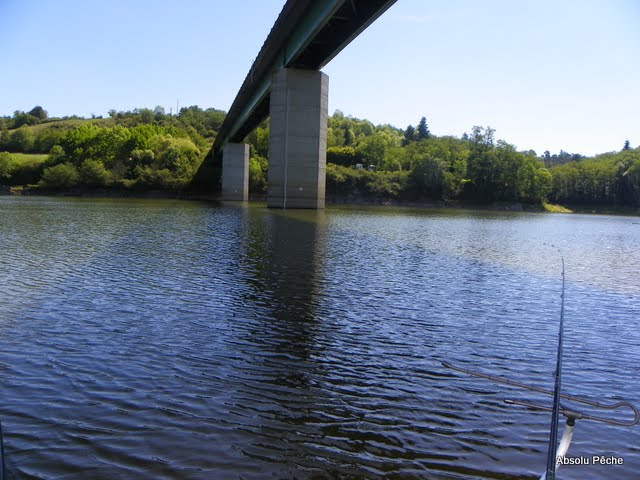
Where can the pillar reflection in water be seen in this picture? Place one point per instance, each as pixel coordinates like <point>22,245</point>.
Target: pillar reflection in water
<point>281,389</point>
<point>286,251</point>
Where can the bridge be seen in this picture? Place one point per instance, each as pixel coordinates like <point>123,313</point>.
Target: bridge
<point>286,83</point>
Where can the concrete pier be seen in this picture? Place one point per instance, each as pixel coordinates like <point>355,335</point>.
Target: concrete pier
<point>298,139</point>
<point>235,172</point>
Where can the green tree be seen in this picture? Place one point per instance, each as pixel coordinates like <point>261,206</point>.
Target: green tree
<point>146,115</point>
<point>409,135</point>
<point>56,155</point>
<point>39,113</point>
<point>606,179</point>
<point>481,166</point>
<point>258,167</point>
<point>213,120</point>
<point>348,137</point>
<point>633,175</point>
<point>149,177</point>
<point>423,129</point>
<point>21,118</point>
<point>21,140</point>
<point>93,173</point>
<point>438,166</point>
<point>395,159</point>
<point>262,141</point>
<point>46,138</point>
<point>159,113</point>
<point>61,176</point>
<point>142,157</point>
<point>179,155</point>
<point>429,176</point>
<point>6,166</point>
<point>347,156</point>
<point>372,149</point>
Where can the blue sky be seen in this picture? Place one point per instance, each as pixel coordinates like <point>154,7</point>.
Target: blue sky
<point>561,74</point>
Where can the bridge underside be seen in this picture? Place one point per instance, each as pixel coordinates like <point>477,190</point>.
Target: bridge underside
<point>346,23</point>
<point>284,82</point>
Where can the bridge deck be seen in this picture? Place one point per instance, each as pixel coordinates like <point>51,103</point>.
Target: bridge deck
<point>307,34</point>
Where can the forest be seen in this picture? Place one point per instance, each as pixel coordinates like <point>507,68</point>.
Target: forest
<point>147,149</point>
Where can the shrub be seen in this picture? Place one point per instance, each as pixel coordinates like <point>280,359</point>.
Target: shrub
<point>64,175</point>
<point>6,166</point>
<point>258,167</point>
<point>94,174</point>
<point>148,177</point>
<point>350,181</point>
<point>345,156</point>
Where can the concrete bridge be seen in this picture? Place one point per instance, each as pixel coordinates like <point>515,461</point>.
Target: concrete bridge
<point>285,82</point>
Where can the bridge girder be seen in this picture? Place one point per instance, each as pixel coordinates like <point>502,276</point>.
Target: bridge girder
<point>306,35</point>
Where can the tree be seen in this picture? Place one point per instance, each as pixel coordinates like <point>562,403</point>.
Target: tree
<point>56,155</point>
<point>6,166</point>
<point>262,141</point>
<point>258,167</point>
<point>429,177</point>
<point>372,149</point>
<point>395,159</point>
<point>627,146</point>
<point>178,155</point>
<point>423,129</point>
<point>347,156</point>
<point>64,175</point>
<point>21,140</point>
<point>159,112</point>
<point>409,135</point>
<point>21,118</point>
<point>348,137</point>
<point>481,166</point>
<point>93,173</point>
<point>38,112</point>
<point>146,115</point>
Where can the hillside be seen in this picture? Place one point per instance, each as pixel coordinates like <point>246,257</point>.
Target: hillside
<point>148,149</point>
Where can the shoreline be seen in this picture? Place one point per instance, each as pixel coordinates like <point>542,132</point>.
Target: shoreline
<point>330,201</point>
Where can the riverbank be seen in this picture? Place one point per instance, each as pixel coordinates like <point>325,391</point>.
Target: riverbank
<point>332,200</point>
<point>92,193</point>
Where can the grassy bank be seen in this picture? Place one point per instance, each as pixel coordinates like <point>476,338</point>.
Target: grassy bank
<point>20,169</point>
<point>24,158</point>
<point>549,207</point>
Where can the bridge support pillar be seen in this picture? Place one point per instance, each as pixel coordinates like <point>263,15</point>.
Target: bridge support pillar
<point>235,172</point>
<point>298,139</point>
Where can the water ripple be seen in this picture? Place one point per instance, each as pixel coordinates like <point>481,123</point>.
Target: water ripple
<point>166,340</point>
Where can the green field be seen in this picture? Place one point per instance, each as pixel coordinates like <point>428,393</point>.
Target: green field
<point>21,168</point>
<point>32,158</point>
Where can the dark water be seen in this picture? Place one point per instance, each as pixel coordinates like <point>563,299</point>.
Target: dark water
<point>177,340</point>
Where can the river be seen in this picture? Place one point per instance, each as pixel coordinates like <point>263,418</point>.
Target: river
<point>165,339</point>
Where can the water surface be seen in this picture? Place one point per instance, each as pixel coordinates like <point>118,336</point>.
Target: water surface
<point>182,340</point>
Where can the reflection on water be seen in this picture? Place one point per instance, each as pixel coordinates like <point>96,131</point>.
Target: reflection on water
<point>164,339</point>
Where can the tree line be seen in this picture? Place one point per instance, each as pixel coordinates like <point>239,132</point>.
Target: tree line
<point>139,149</point>
<point>147,148</point>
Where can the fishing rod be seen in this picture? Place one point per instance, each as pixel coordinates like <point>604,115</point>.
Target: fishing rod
<point>567,412</point>
<point>555,412</point>
<point>555,454</point>
<point>2,476</point>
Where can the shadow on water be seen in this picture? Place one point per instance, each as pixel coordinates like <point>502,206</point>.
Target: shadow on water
<point>285,251</point>
<point>326,394</point>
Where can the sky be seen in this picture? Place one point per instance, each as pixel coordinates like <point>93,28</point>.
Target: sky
<point>545,74</point>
